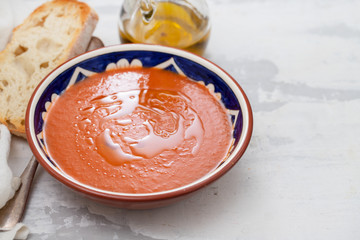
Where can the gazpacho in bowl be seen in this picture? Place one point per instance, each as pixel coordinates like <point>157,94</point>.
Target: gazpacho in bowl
<point>138,126</point>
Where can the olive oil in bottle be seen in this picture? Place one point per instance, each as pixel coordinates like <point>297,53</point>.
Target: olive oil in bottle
<point>171,23</point>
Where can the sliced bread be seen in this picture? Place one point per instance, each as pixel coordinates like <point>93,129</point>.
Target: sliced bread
<point>54,32</point>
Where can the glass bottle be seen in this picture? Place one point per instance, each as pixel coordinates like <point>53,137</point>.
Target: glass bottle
<point>176,23</point>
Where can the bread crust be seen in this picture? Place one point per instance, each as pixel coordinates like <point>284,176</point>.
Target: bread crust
<point>19,74</point>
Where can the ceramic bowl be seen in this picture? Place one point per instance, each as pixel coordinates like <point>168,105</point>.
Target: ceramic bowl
<point>179,61</point>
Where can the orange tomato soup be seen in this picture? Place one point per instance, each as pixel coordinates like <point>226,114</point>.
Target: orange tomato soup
<point>137,130</point>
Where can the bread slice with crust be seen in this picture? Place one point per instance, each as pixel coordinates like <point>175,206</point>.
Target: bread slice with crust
<point>54,32</point>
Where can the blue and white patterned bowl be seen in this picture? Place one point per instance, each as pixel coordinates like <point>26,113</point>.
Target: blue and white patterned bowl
<point>178,61</point>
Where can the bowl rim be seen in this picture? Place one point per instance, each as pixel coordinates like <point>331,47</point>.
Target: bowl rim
<point>231,160</point>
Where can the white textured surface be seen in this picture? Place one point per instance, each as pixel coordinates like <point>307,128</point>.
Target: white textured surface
<point>298,62</point>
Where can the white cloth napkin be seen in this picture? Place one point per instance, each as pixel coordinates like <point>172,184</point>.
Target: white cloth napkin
<point>8,183</point>
<point>20,231</point>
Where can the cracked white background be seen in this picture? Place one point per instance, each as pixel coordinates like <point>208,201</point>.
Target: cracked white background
<point>299,63</point>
